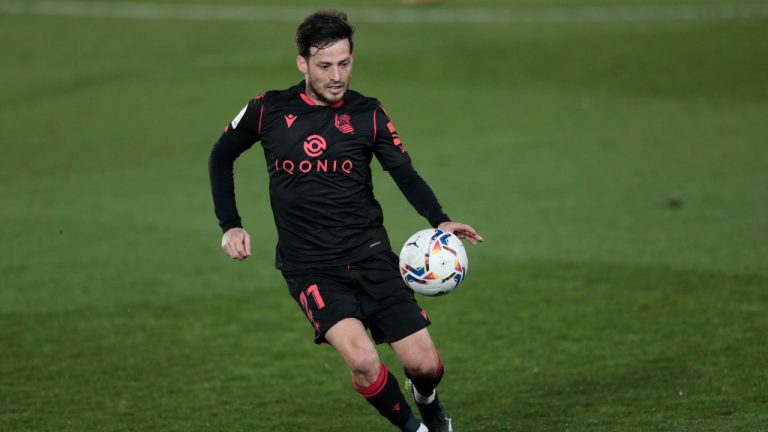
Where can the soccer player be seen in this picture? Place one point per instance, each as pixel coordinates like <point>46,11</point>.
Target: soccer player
<point>319,138</point>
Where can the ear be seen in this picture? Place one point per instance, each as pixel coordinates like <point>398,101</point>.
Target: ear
<point>301,64</point>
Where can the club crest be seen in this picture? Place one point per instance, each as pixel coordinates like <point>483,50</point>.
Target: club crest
<point>344,124</point>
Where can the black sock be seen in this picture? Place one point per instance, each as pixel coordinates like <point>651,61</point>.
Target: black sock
<point>427,384</point>
<point>385,395</point>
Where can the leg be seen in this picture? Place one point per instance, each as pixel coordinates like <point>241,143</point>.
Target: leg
<point>369,376</point>
<point>422,363</point>
<point>424,370</point>
<point>349,338</point>
<point>418,354</point>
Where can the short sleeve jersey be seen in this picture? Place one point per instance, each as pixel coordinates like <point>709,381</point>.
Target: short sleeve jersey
<point>319,164</point>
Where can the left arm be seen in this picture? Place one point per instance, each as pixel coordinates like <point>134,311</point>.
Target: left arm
<point>421,197</point>
<point>394,159</point>
<point>419,194</point>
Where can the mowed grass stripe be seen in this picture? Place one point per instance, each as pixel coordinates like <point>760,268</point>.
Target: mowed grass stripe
<point>447,15</point>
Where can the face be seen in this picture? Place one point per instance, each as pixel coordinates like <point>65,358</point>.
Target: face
<point>327,72</point>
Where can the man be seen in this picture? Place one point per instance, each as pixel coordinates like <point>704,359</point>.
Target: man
<point>319,138</point>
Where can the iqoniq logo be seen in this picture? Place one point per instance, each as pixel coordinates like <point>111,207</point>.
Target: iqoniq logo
<point>314,147</point>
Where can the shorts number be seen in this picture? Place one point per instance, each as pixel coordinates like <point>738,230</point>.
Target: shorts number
<point>314,291</point>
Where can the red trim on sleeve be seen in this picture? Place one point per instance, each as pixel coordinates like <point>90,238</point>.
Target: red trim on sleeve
<point>261,115</point>
<point>374,126</point>
<point>395,137</point>
<point>377,386</point>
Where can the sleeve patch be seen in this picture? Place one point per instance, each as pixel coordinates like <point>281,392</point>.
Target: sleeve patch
<point>395,138</point>
<point>239,117</point>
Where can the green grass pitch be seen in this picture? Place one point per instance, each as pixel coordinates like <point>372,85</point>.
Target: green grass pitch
<point>617,168</point>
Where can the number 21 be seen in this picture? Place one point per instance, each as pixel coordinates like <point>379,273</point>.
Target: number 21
<point>314,291</point>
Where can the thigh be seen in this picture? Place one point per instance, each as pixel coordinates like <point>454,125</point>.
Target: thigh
<point>351,341</point>
<point>417,352</point>
<point>324,299</point>
<point>387,301</point>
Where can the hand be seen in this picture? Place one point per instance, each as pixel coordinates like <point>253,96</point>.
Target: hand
<point>462,231</point>
<point>236,243</point>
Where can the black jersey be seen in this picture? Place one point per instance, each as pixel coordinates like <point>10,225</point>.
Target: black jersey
<point>320,185</point>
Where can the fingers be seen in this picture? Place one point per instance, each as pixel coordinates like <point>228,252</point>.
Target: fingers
<point>472,238</point>
<point>236,243</point>
<point>239,249</point>
<point>471,235</point>
<point>462,231</point>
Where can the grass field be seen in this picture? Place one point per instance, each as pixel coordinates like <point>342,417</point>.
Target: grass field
<point>617,167</point>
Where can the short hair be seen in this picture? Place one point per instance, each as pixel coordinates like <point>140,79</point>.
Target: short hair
<point>322,29</point>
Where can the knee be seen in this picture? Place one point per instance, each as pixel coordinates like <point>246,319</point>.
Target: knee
<point>364,363</point>
<point>425,365</point>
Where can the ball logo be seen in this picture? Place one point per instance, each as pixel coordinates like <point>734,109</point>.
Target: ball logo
<point>314,145</point>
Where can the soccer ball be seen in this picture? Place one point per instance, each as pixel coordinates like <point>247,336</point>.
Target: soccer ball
<point>433,262</point>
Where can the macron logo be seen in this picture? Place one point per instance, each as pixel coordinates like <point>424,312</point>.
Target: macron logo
<point>289,119</point>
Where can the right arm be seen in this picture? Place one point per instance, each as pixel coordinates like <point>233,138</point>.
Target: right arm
<point>239,135</point>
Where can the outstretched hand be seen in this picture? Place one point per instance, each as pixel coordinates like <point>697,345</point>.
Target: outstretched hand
<point>462,231</point>
<point>236,243</point>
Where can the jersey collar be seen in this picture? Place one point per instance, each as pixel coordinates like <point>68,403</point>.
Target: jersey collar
<point>310,102</point>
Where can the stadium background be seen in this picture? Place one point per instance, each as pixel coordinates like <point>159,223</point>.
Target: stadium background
<point>612,153</point>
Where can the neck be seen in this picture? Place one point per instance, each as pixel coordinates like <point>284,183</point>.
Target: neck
<point>313,97</point>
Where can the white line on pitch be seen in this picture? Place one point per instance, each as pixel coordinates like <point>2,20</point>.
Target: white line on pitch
<point>565,14</point>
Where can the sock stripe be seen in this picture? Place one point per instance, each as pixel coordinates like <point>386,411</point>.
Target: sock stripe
<point>377,386</point>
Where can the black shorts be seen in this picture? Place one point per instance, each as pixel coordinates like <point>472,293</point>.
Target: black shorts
<point>371,290</point>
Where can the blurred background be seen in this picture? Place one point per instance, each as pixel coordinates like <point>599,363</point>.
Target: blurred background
<point>613,154</point>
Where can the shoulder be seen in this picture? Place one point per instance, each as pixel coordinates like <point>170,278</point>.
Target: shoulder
<point>273,97</point>
<point>265,97</point>
<point>361,101</point>
<point>366,102</point>
<point>273,102</point>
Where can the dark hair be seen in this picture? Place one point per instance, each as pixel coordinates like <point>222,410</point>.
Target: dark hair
<point>322,29</point>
